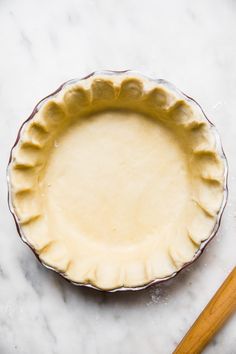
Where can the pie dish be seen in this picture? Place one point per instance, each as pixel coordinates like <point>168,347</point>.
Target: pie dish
<point>117,181</point>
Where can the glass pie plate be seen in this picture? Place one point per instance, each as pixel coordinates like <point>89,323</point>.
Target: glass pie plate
<point>117,181</point>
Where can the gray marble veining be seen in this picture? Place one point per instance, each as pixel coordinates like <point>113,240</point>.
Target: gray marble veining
<point>193,45</point>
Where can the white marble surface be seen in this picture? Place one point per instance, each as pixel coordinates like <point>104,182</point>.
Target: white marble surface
<point>43,43</point>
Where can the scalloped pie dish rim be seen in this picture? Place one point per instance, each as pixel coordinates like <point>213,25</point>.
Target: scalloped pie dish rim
<point>117,181</point>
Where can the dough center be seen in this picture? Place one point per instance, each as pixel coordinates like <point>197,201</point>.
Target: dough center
<point>116,177</point>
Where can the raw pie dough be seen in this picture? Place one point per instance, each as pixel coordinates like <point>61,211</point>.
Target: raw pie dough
<point>116,181</point>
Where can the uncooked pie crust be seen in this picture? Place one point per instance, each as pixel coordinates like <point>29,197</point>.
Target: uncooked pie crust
<point>117,180</point>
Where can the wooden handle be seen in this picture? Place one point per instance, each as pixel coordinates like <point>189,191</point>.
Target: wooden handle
<point>220,307</point>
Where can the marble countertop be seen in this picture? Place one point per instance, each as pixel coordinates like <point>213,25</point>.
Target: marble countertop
<point>44,43</point>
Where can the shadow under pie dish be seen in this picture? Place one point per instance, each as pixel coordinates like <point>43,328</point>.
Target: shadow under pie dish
<point>117,181</point>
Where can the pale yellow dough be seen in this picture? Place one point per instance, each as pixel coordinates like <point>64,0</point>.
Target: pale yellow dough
<point>116,181</point>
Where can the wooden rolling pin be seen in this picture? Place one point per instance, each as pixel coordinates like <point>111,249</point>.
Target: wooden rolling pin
<point>220,307</point>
